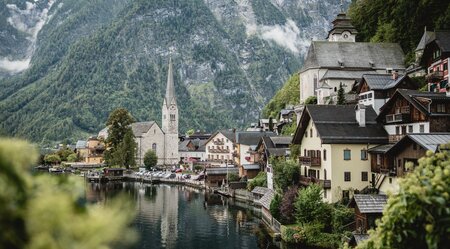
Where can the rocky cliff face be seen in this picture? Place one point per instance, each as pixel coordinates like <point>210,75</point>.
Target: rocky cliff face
<point>74,61</point>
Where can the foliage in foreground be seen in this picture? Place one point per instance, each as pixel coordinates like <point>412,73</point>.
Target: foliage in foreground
<point>46,211</point>
<point>418,216</point>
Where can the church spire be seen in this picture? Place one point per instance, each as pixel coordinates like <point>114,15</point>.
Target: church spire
<point>170,90</point>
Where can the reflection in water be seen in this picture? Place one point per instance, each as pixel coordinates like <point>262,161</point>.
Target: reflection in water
<point>173,216</point>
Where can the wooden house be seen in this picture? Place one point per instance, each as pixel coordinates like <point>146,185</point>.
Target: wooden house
<point>217,176</point>
<point>388,162</point>
<point>376,89</point>
<point>412,111</point>
<point>435,59</point>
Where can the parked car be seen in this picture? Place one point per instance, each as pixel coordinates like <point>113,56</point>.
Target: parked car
<point>186,176</point>
<point>178,171</point>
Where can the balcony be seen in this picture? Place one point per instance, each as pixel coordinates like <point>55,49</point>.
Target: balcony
<point>435,76</point>
<point>306,181</point>
<point>310,161</point>
<point>219,151</point>
<point>395,118</point>
<point>395,138</point>
<point>218,142</point>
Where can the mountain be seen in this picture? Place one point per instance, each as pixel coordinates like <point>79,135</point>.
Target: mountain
<point>66,64</point>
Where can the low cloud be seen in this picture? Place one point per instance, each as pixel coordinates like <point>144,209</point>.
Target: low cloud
<point>287,36</point>
<point>14,66</point>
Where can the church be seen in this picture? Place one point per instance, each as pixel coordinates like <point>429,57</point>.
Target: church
<point>163,140</point>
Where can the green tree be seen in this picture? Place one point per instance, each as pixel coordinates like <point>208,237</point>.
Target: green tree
<point>259,180</point>
<point>275,206</point>
<point>270,124</point>
<point>72,157</point>
<point>43,211</point>
<point>286,173</point>
<point>233,177</point>
<point>311,100</point>
<point>418,216</point>
<point>190,132</point>
<point>64,152</point>
<point>52,158</point>
<point>150,159</point>
<point>341,95</point>
<point>309,206</point>
<point>121,150</point>
<point>287,95</point>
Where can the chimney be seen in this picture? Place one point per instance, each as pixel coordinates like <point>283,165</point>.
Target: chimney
<point>394,75</point>
<point>360,111</point>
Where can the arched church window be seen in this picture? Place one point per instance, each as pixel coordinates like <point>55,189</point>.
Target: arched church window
<point>154,146</point>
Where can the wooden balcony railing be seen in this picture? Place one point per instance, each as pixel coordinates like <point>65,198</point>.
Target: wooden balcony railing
<point>219,150</point>
<point>395,138</point>
<point>435,76</point>
<point>310,161</point>
<point>305,180</point>
<point>218,142</point>
<point>400,117</point>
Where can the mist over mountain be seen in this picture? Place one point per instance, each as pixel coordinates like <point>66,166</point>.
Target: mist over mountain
<point>65,64</point>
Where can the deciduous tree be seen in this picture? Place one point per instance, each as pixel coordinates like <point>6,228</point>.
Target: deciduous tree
<point>150,159</point>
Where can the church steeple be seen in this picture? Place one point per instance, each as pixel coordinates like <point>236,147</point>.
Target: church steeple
<point>170,89</point>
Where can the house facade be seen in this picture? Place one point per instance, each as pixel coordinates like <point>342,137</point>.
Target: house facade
<point>219,149</point>
<point>334,143</point>
<point>435,59</point>
<point>90,151</point>
<point>411,111</point>
<point>149,136</point>
<point>376,89</point>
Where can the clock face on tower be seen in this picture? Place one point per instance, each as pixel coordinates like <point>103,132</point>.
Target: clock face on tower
<point>172,107</point>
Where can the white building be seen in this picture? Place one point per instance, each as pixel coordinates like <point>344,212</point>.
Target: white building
<point>219,148</point>
<point>341,60</point>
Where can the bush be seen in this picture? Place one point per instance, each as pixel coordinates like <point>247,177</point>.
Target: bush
<point>260,180</point>
<point>233,177</point>
<point>310,207</point>
<point>275,206</point>
<point>286,173</point>
<point>341,217</point>
<point>311,100</point>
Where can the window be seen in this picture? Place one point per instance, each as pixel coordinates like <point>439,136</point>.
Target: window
<point>304,152</point>
<point>440,108</point>
<point>347,154</point>
<point>324,174</point>
<point>378,159</point>
<point>364,154</point>
<point>347,176</point>
<point>324,155</point>
<point>422,128</point>
<point>397,130</point>
<point>414,146</point>
<point>445,67</point>
<point>364,176</point>
<point>403,129</point>
<point>172,117</point>
<point>310,132</point>
<point>390,180</point>
<point>306,133</point>
<point>410,129</point>
<point>154,146</point>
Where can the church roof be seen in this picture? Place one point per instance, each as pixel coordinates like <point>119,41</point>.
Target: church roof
<point>170,89</point>
<point>342,23</point>
<point>140,128</point>
<point>355,55</point>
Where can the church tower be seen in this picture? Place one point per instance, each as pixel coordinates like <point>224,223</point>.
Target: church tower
<point>170,121</point>
<point>343,30</point>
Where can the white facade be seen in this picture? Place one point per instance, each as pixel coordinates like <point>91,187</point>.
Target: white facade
<point>333,167</point>
<point>153,139</point>
<point>219,150</point>
<point>193,154</point>
<point>368,98</point>
<point>402,129</point>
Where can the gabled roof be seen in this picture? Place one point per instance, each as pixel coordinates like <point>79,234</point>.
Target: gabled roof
<point>281,140</point>
<point>442,39</point>
<point>337,124</point>
<point>345,74</point>
<point>355,55</point>
<point>428,141</point>
<point>370,203</point>
<point>266,199</point>
<point>418,99</point>
<point>251,137</point>
<point>81,144</point>
<point>277,151</point>
<point>140,128</point>
<point>182,146</point>
<point>228,134</point>
<point>426,38</point>
<point>382,81</point>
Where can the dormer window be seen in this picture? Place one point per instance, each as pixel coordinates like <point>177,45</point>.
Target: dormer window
<point>341,63</point>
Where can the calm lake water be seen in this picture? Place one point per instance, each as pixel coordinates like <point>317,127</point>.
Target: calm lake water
<point>175,216</point>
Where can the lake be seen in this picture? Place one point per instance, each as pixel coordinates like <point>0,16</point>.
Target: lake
<point>177,216</point>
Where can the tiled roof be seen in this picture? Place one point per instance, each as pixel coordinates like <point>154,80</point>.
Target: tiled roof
<point>426,38</point>
<point>81,144</point>
<point>182,146</point>
<point>443,40</point>
<point>140,128</point>
<point>277,151</point>
<point>361,55</point>
<point>260,190</point>
<point>430,141</point>
<point>345,74</point>
<point>251,137</point>
<point>281,140</point>
<point>381,148</point>
<point>382,81</point>
<point>337,124</point>
<point>267,199</point>
<point>370,203</point>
